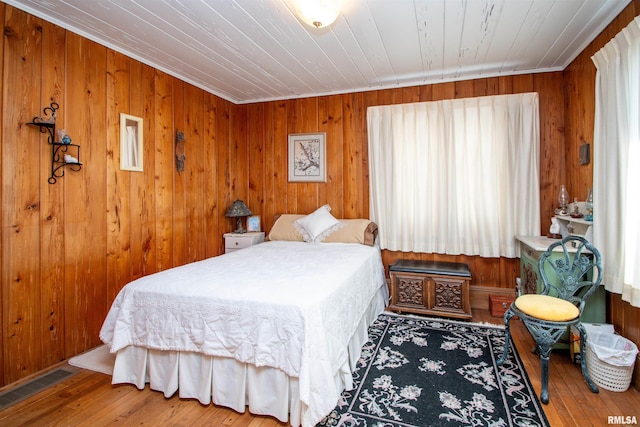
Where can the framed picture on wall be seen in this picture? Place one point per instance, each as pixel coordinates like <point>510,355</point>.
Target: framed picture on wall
<point>253,223</point>
<point>131,143</point>
<point>307,157</point>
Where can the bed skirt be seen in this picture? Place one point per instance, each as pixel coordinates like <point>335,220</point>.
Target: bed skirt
<point>227,382</point>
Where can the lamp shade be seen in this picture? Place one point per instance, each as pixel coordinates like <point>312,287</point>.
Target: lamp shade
<point>238,210</point>
<point>318,13</point>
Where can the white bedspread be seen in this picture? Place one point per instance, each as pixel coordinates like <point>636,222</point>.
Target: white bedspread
<point>287,305</point>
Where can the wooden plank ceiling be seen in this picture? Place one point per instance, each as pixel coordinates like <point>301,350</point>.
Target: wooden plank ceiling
<point>257,50</point>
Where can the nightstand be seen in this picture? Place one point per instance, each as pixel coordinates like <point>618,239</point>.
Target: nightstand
<point>236,241</point>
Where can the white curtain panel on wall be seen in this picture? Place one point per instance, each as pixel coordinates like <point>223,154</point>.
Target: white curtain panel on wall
<point>616,174</point>
<point>456,176</point>
<point>132,147</point>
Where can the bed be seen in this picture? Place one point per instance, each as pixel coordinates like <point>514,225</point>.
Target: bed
<point>276,328</point>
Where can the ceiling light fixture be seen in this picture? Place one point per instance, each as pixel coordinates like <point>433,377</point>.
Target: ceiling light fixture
<point>318,13</point>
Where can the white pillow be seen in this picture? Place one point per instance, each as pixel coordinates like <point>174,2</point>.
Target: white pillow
<point>316,226</point>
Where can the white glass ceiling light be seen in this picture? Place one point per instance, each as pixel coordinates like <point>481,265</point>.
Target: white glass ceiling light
<point>318,13</point>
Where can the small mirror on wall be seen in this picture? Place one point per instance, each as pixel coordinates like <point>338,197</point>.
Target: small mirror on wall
<point>131,143</point>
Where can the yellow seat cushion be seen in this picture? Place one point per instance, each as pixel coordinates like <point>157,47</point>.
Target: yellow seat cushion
<point>546,307</point>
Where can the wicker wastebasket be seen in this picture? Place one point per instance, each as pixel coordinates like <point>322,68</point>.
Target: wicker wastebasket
<point>610,360</point>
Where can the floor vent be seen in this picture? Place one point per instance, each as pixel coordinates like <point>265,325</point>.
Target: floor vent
<point>28,389</point>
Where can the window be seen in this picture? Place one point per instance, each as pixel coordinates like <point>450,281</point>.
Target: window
<point>616,146</point>
<point>455,176</point>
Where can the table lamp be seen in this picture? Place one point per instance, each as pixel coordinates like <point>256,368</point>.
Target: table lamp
<point>238,210</point>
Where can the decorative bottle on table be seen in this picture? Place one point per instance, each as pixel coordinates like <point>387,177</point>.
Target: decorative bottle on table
<point>589,206</point>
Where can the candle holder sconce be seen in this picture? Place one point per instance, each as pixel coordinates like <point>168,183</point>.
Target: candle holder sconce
<point>62,149</point>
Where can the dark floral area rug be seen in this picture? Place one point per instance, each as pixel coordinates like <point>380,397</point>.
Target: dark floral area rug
<point>431,372</point>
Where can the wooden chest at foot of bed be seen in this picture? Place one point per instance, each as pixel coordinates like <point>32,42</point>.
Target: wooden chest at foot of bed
<point>431,288</point>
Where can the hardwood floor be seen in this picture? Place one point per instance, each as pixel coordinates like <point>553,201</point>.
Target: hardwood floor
<point>88,398</point>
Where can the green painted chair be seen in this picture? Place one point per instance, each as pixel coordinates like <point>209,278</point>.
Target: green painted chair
<point>569,281</point>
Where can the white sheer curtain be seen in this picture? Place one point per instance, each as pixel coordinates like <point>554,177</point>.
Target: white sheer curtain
<point>616,162</point>
<point>455,176</point>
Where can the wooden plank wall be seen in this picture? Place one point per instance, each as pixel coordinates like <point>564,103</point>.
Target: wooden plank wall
<point>68,248</point>
<point>343,117</point>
